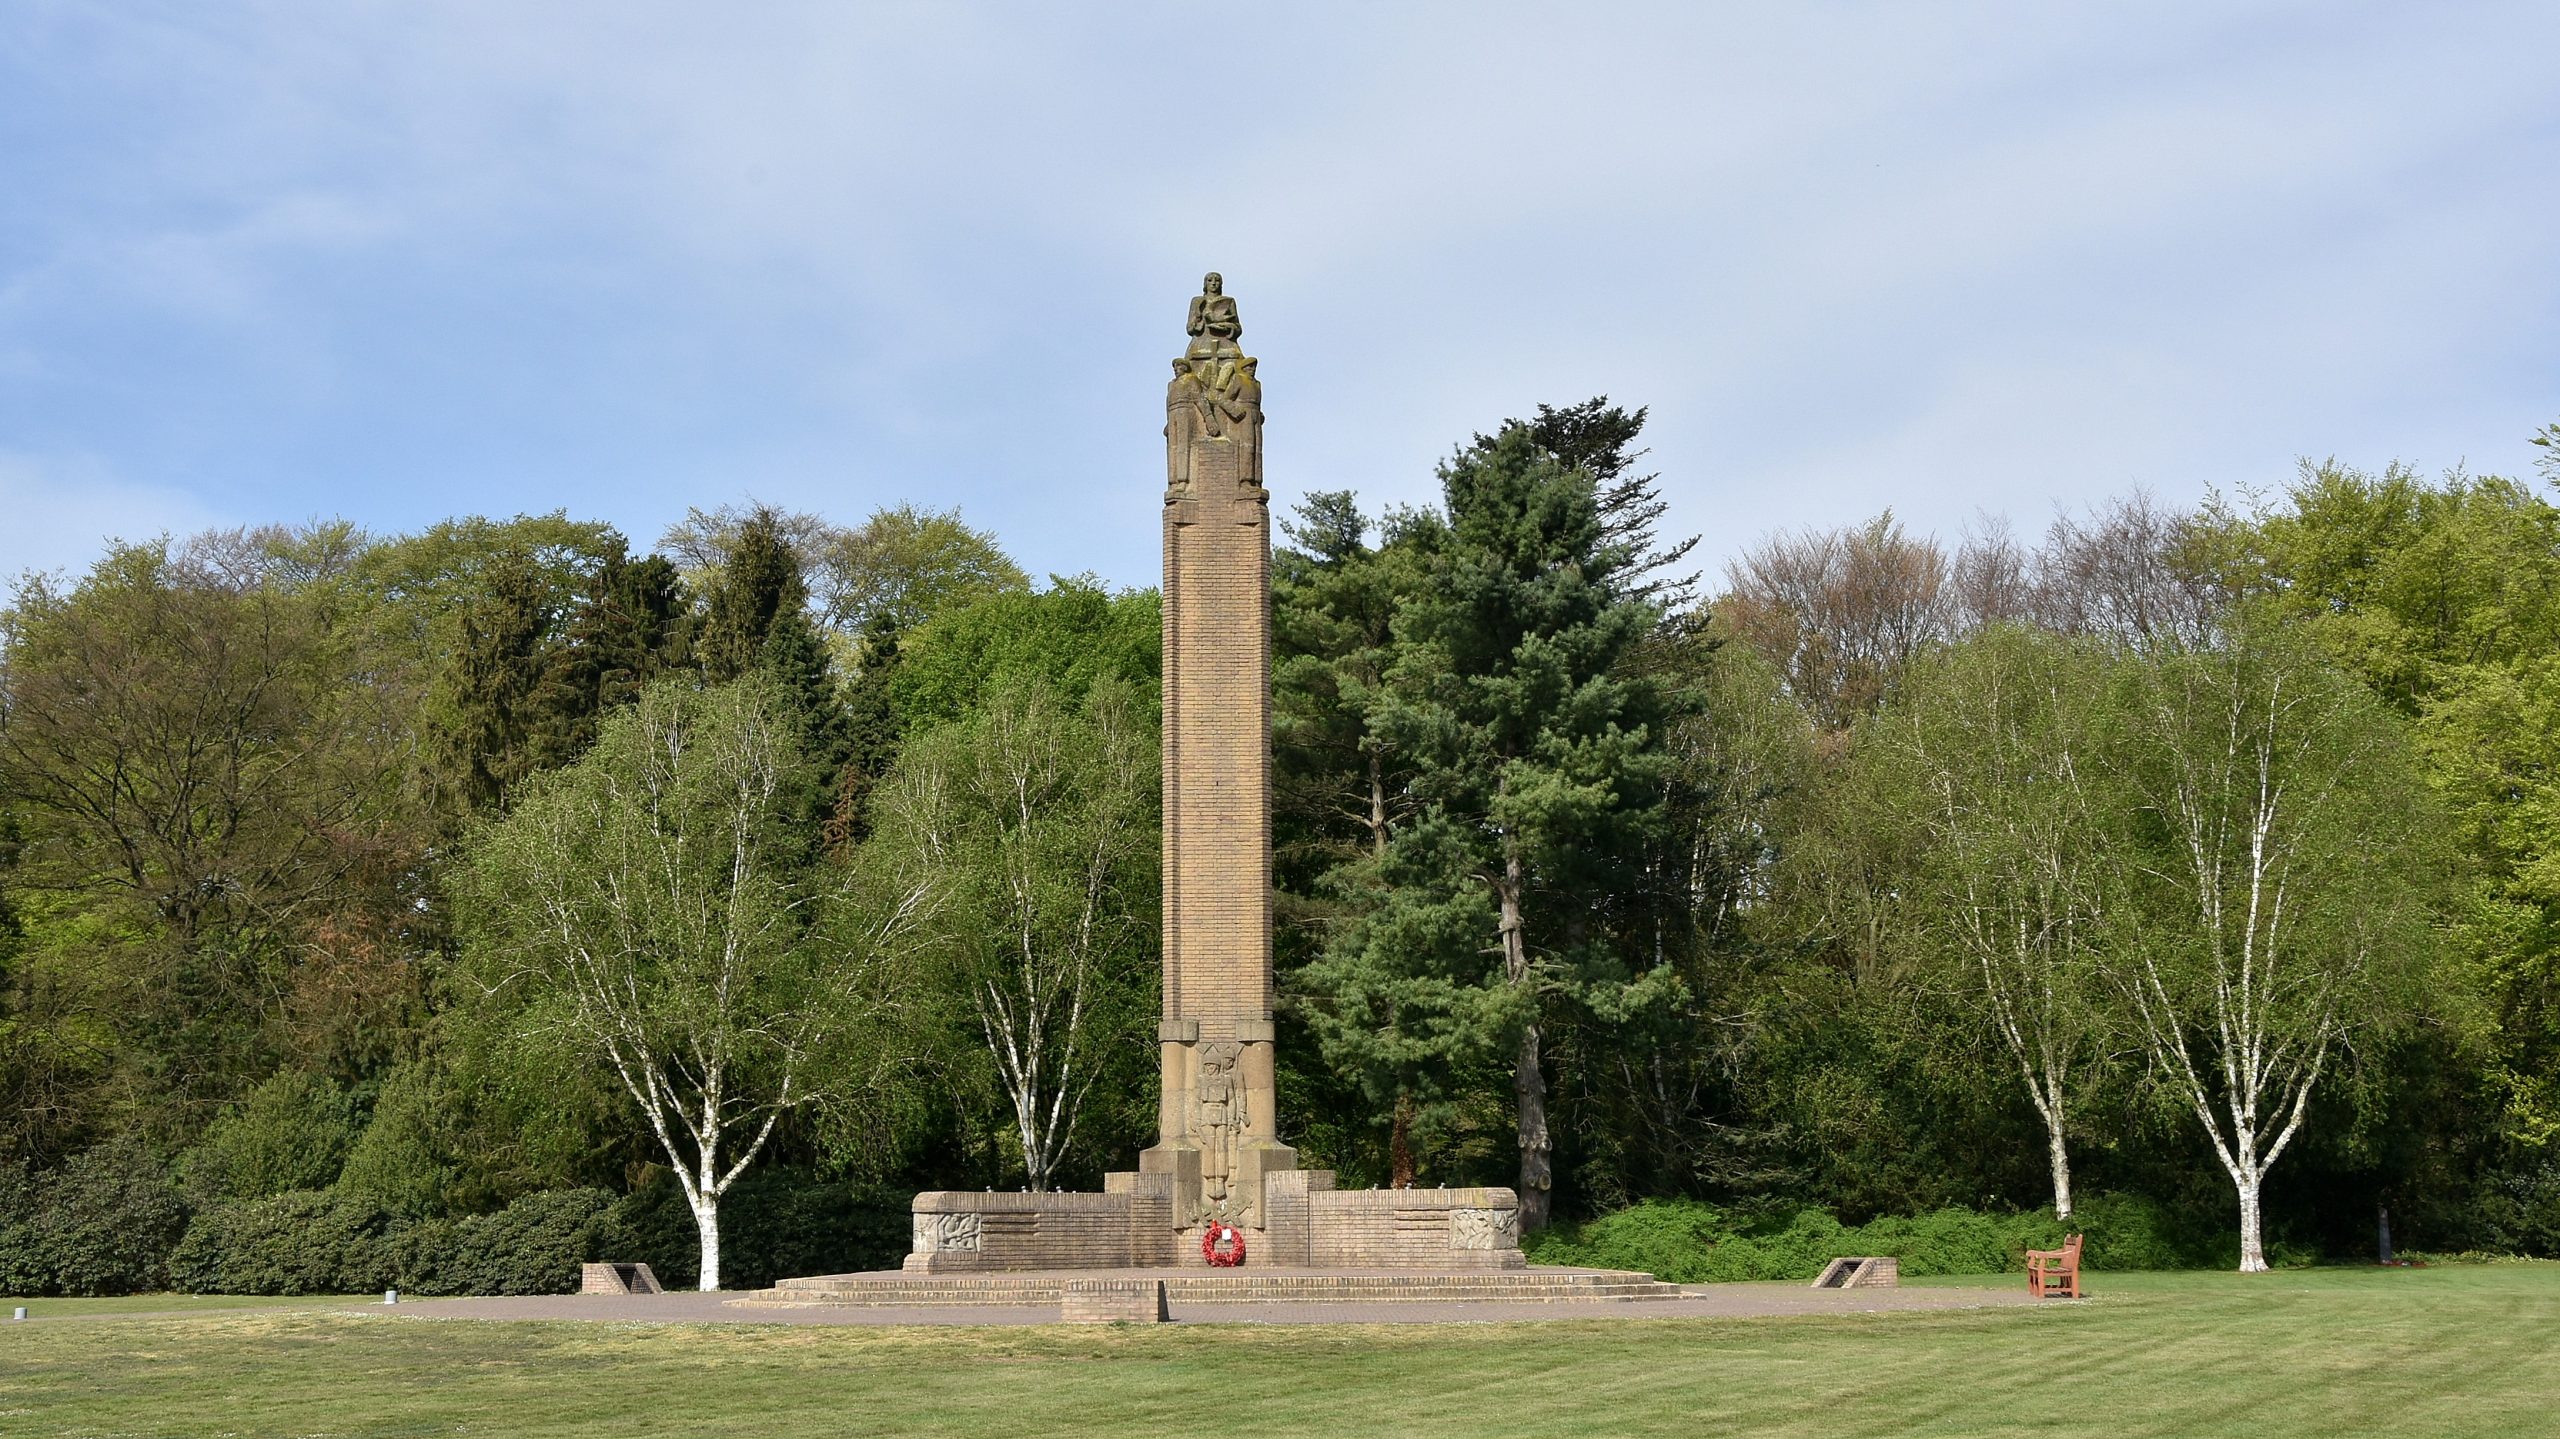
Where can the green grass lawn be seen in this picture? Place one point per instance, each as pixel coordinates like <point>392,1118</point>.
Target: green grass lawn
<point>2465,1351</point>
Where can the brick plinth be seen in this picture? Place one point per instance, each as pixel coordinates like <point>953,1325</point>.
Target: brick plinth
<point>1112,1301</point>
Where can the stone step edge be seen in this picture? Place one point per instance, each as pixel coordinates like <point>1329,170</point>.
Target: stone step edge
<point>1025,1302</point>
<point>1026,1299</point>
<point>1260,1296</point>
<point>1196,1291</point>
<point>998,1278</point>
<point>1201,1290</point>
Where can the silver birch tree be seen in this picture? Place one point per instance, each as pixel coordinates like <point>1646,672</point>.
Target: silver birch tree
<point>1024,837</point>
<point>647,906</point>
<point>1986,753</point>
<point>2280,838</point>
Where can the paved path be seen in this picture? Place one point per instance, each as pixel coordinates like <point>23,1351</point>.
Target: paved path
<point>1706,1301</point>
<point>1698,1301</point>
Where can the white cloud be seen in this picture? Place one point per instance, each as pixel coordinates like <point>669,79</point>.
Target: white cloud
<point>58,513</point>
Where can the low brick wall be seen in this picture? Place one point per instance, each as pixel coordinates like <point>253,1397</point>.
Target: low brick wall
<point>1309,1224</point>
<point>958,1231</point>
<point>1460,1229</point>
<point>1861,1272</point>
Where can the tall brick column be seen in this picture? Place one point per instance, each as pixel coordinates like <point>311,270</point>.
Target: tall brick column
<point>1218,1132</point>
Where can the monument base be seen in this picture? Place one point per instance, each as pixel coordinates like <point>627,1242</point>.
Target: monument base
<point>1306,1224</point>
<point>1555,1290</point>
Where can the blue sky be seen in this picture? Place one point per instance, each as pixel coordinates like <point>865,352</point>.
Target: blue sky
<point>400,261</point>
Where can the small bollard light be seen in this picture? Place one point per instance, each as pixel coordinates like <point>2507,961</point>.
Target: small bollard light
<point>390,1296</point>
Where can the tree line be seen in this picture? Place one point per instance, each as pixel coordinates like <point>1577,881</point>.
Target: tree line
<point>437,871</point>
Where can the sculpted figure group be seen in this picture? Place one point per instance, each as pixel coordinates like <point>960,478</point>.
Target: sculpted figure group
<point>1214,394</point>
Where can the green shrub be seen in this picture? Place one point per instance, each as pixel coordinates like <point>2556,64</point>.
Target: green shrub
<point>291,1133</point>
<point>313,1242</point>
<point>533,1246</point>
<point>2519,1211</point>
<point>101,1224</point>
<point>2128,1231</point>
<point>395,1160</point>
<point>775,1224</point>
<point>306,1242</point>
<point>23,1269</point>
<point>1692,1243</point>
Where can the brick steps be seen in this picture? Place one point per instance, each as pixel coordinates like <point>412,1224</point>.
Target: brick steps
<point>1584,1286</point>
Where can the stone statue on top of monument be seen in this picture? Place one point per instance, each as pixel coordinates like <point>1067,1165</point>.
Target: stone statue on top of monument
<point>1214,394</point>
<point>1213,326</point>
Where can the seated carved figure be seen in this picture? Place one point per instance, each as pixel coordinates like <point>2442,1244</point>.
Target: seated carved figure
<point>1213,325</point>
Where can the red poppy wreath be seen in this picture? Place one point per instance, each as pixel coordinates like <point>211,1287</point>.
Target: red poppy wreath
<point>1223,1246</point>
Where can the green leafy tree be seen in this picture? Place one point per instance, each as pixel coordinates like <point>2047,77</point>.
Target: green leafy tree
<point>2282,861</point>
<point>206,765</point>
<point>1070,637</point>
<point>906,565</point>
<point>1988,759</point>
<point>1019,844</point>
<point>2445,598</point>
<point>641,908</point>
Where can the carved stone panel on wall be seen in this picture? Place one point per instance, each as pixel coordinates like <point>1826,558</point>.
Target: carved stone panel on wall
<point>1484,1228</point>
<point>936,1233</point>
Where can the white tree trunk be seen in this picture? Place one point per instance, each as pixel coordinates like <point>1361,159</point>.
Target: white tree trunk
<point>706,1222</point>
<point>2253,1250</point>
<point>2061,1156</point>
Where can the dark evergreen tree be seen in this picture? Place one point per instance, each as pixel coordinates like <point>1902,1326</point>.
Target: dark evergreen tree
<point>1539,768</point>
<point>873,735</point>
<point>758,622</point>
<point>487,712</point>
<point>795,658</point>
<point>758,585</point>
<point>1339,787</point>
<point>628,628</point>
<point>1598,436</point>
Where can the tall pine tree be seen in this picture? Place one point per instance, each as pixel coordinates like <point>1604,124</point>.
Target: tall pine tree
<point>628,629</point>
<point>758,621</point>
<point>1538,765</point>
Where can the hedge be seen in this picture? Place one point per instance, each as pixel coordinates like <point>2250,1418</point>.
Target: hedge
<point>1692,1243</point>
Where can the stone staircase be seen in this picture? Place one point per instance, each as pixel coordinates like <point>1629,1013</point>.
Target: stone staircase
<point>1194,1286</point>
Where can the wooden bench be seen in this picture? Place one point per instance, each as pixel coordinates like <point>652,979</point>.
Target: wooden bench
<point>2055,1273</point>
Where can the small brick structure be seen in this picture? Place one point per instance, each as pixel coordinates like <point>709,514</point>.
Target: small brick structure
<point>1864,1272</point>
<point>617,1279</point>
<point>1112,1301</point>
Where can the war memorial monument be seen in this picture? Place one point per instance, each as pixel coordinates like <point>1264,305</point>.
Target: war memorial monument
<point>1218,1159</point>
<point>1218,1193</point>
